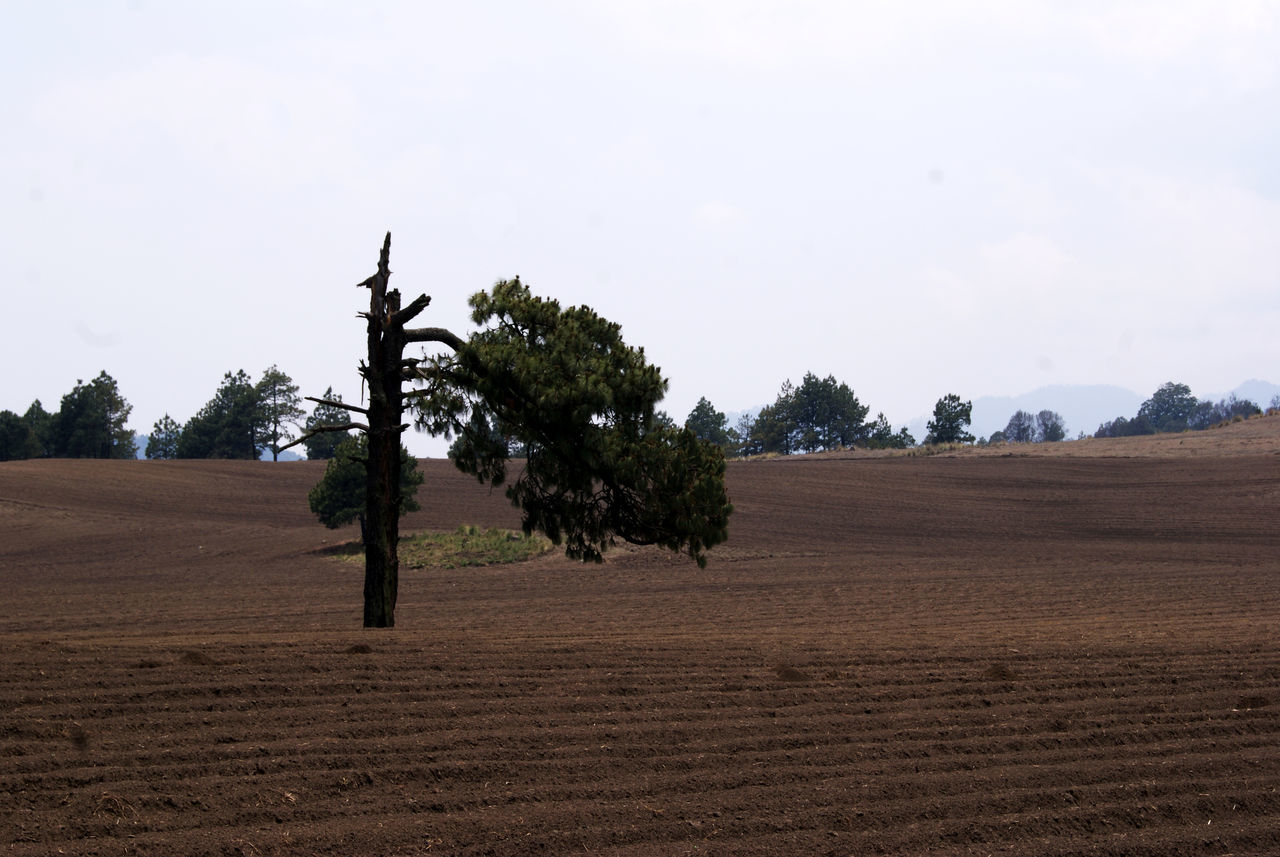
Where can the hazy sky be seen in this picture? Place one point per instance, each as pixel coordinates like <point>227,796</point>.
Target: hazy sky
<point>917,197</point>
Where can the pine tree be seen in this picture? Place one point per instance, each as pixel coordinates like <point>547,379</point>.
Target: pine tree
<point>163,443</point>
<point>339,497</point>
<point>278,409</point>
<point>91,422</point>
<point>565,387</point>
<point>324,444</point>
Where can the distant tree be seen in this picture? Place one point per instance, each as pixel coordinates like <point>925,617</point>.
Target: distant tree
<point>278,402</point>
<point>228,426</point>
<point>13,436</point>
<point>1169,407</point>
<point>880,435</point>
<point>339,497</point>
<point>1275,403</point>
<point>1121,427</point>
<point>996,437</point>
<point>825,414</point>
<point>324,444</point>
<point>1050,427</point>
<point>1208,414</point>
<point>742,435</point>
<point>1021,428</point>
<point>771,431</point>
<point>39,423</point>
<point>708,423</point>
<point>91,422</point>
<point>163,443</point>
<point>950,416</point>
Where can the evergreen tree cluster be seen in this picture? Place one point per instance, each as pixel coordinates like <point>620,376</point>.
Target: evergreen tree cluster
<point>1024,427</point>
<point>1172,408</point>
<point>242,420</point>
<point>90,423</point>
<point>820,414</point>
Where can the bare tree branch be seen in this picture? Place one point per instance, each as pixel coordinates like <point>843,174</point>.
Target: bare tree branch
<point>318,430</point>
<point>434,334</point>
<point>332,403</point>
<point>400,318</point>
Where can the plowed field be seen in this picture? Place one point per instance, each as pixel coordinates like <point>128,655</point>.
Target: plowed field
<point>1064,650</point>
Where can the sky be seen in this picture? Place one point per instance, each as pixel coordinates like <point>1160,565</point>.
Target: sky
<point>980,198</point>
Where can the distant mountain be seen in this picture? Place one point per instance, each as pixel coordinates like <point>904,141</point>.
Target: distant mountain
<point>1259,392</point>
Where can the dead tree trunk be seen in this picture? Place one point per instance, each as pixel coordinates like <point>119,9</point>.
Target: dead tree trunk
<point>385,370</point>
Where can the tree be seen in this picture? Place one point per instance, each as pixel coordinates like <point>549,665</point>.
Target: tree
<point>1169,407</point>
<point>709,424</point>
<point>324,444</point>
<point>742,434</point>
<point>39,423</point>
<point>1121,427</point>
<point>1021,428</point>
<point>228,426</point>
<point>278,402</point>
<point>770,432</point>
<point>91,422</point>
<point>950,416</point>
<point>582,402</point>
<point>880,435</point>
<point>1050,427</point>
<point>13,436</point>
<point>1207,414</point>
<point>825,414</point>
<point>570,390</point>
<point>163,443</point>
<point>339,497</point>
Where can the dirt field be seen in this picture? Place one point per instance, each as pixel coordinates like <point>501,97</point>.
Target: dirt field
<point>1020,651</point>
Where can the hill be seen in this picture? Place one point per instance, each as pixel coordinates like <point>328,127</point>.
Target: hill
<point>1058,649</point>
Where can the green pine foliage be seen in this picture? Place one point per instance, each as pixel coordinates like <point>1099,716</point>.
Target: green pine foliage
<point>709,424</point>
<point>13,436</point>
<point>581,402</point>
<point>230,425</point>
<point>950,417</point>
<point>279,411</point>
<point>91,422</point>
<point>339,497</point>
<point>163,443</point>
<point>324,445</point>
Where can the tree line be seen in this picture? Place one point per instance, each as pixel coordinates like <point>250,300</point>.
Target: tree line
<point>1172,408</point>
<point>244,419</point>
<point>818,415</point>
<point>89,423</point>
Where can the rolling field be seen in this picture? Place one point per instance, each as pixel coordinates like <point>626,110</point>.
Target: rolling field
<point>1072,649</point>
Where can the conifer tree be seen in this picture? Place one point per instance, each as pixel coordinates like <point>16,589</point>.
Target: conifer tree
<point>561,383</point>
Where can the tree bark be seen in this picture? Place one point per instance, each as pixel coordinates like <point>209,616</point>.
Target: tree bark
<point>384,376</point>
<point>382,489</point>
<point>384,373</point>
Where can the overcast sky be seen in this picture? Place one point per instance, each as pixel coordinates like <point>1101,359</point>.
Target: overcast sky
<point>916,197</point>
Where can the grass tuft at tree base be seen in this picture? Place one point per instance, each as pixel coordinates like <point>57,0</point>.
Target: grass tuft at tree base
<point>465,546</point>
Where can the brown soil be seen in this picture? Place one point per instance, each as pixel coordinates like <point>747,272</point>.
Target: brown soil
<point>1045,650</point>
